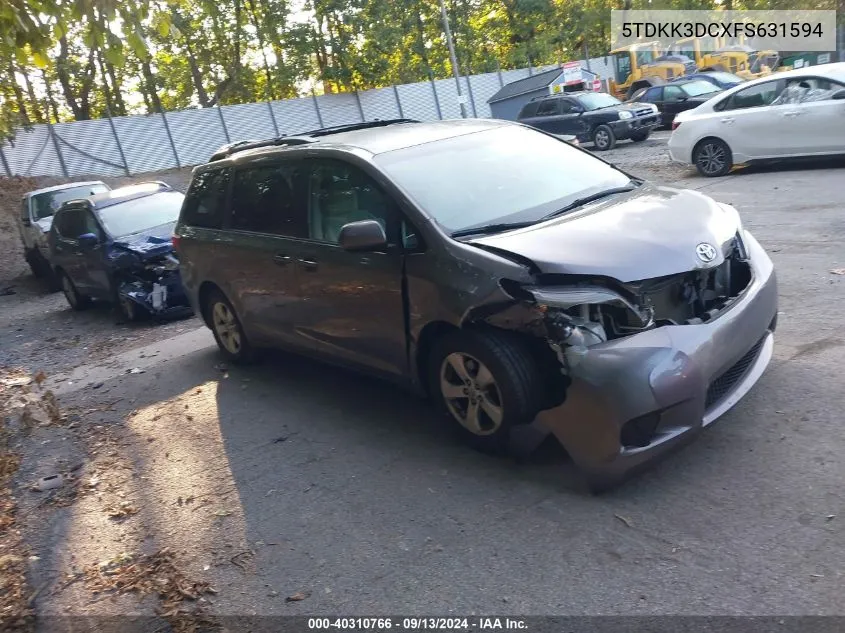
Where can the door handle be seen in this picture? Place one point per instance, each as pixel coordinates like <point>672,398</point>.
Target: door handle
<point>728,120</point>
<point>793,113</point>
<point>308,264</point>
<point>281,260</point>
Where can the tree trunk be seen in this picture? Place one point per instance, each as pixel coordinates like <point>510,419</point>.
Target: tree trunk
<point>120,105</point>
<point>19,98</point>
<point>50,100</point>
<point>33,100</point>
<point>150,82</point>
<point>269,92</point>
<point>196,75</point>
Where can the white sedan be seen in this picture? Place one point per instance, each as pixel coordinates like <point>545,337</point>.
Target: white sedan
<point>784,115</point>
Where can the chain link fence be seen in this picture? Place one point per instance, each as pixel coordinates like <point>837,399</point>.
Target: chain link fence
<point>138,144</point>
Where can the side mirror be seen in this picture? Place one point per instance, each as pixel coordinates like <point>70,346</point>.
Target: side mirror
<point>88,240</point>
<point>839,94</point>
<point>365,235</point>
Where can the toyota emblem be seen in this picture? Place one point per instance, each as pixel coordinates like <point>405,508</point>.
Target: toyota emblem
<point>706,252</point>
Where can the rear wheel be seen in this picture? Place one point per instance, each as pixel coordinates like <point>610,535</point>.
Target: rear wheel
<point>604,138</point>
<point>713,158</point>
<point>486,383</point>
<point>75,299</point>
<point>227,329</point>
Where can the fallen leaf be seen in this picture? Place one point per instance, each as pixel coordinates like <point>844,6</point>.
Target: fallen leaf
<point>830,517</point>
<point>299,595</point>
<point>624,520</point>
<point>838,271</point>
<point>223,513</point>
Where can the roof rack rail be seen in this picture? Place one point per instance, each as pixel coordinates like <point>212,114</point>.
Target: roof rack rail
<point>350,127</point>
<point>242,146</point>
<point>302,138</point>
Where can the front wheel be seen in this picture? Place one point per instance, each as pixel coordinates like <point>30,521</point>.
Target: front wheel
<point>712,158</point>
<point>227,329</point>
<point>486,383</point>
<point>75,299</point>
<point>640,136</point>
<point>604,138</point>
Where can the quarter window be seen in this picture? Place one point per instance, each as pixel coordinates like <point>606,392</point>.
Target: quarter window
<point>206,200</point>
<point>267,199</point>
<point>340,193</point>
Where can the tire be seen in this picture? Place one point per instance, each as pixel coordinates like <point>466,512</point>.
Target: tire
<point>75,299</point>
<point>36,263</point>
<point>712,158</point>
<point>499,371</point>
<point>639,137</point>
<point>227,329</point>
<point>604,138</point>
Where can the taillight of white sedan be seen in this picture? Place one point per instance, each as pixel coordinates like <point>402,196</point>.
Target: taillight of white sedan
<point>784,115</point>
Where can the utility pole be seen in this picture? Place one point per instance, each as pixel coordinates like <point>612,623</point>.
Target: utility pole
<point>453,58</point>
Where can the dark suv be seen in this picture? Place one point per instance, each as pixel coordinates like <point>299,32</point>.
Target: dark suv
<point>527,286</point>
<point>594,117</point>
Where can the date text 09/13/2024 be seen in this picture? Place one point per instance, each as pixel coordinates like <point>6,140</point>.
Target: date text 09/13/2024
<point>417,624</point>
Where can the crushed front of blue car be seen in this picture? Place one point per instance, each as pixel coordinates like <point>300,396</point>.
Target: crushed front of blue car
<point>146,274</point>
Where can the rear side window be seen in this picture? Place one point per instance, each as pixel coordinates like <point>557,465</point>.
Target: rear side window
<point>548,108</point>
<point>755,96</point>
<point>73,222</point>
<point>268,199</point>
<point>529,109</point>
<point>205,203</point>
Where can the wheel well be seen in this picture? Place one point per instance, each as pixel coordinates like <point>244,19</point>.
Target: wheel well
<point>430,333</point>
<point>206,288</point>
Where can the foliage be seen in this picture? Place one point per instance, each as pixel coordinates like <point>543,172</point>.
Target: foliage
<point>81,59</point>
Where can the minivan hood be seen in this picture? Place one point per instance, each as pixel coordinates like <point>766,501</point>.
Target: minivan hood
<point>650,232</point>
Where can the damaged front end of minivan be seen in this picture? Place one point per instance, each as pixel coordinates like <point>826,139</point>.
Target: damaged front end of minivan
<point>643,362</point>
<point>147,279</point>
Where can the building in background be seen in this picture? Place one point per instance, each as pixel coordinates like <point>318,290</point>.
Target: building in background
<point>569,77</point>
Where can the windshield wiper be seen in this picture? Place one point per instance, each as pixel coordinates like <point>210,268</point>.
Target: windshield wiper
<point>580,202</point>
<point>486,229</point>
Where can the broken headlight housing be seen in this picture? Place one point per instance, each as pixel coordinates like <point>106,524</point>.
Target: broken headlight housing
<point>579,317</point>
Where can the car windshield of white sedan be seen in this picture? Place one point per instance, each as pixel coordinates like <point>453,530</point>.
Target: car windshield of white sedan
<point>47,203</point>
<point>698,88</point>
<point>596,100</point>
<point>499,175</point>
<point>141,214</point>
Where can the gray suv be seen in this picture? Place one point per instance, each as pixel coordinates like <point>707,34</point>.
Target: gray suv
<point>526,286</point>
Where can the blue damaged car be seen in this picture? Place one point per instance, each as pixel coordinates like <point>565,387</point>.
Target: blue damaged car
<point>116,247</point>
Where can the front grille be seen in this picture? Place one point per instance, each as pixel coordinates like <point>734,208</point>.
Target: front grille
<point>724,384</point>
<point>643,111</point>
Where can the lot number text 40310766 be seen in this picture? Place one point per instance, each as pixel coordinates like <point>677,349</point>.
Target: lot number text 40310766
<point>418,624</point>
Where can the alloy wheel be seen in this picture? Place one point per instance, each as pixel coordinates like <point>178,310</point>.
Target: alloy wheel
<point>227,328</point>
<point>711,158</point>
<point>471,394</point>
<point>602,139</point>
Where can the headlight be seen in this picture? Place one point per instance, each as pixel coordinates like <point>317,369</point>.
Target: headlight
<point>625,114</point>
<point>653,108</point>
<point>736,221</point>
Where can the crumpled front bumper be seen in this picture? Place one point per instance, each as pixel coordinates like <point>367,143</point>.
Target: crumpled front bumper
<point>165,298</point>
<point>675,380</point>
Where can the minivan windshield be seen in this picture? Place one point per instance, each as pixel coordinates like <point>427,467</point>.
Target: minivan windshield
<point>141,214</point>
<point>505,174</point>
<point>46,204</point>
